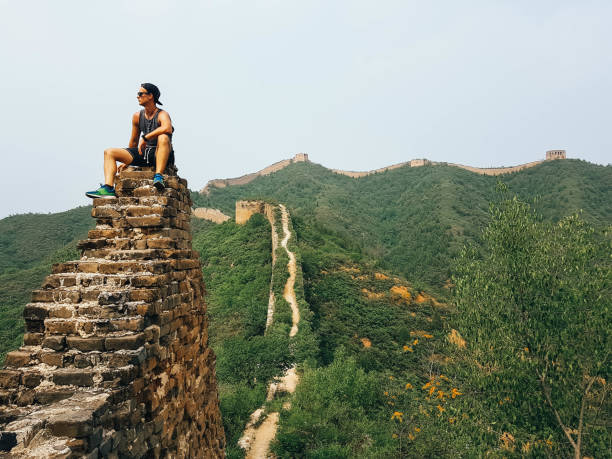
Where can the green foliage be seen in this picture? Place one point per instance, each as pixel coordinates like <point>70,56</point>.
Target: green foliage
<point>414,221</point>
<point>334,413</point>
<point>26,240</point>
<point>534,309</point>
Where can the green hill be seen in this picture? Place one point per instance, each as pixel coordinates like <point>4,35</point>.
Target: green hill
<point>414,220</point>
<point>382,376</point>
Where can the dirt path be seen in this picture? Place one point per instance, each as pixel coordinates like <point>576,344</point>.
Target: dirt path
<point>256,440</point>
<point>289,291</point>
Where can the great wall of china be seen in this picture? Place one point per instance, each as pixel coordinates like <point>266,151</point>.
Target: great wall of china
<point>303,157</point>
<point>115,361</point>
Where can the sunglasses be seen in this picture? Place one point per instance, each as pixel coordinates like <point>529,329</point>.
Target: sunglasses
<point>140,94</point>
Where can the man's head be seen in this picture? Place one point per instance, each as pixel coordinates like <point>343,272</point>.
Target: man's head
<point>147,92</point>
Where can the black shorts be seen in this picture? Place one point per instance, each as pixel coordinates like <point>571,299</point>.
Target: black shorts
<point>147,159</point>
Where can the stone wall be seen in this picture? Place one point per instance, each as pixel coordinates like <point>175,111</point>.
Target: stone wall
<point>213,215</point>
<point>115,361</point>
<point>244,179</point>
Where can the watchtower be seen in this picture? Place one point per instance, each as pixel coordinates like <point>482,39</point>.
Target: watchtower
<point>555,154</point>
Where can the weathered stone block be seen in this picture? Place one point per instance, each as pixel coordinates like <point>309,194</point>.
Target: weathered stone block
<point>73,377</point>
<point>17,359</point>
<point>9,379</point>
<point>125,342</point>
<point>85,344</point>
<point>56,343</point>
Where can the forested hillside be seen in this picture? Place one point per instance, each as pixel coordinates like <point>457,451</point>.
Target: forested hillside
<point>420,343</point>
<point>29,245</point>
<point>415,220</point>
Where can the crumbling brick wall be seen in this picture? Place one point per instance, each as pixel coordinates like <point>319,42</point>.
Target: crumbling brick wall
<point>115,361</point>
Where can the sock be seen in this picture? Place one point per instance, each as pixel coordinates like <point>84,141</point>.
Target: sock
<point>108,187</point>
<point>158,175</point>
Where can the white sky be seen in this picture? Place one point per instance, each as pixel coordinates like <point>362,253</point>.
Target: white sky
<point>355,84</point>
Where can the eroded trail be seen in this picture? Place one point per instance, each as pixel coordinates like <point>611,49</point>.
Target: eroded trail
<point>256,439</point>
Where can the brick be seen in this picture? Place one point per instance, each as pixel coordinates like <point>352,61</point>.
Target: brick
<point>150,281</point>
<point>130,324</point>
<point>31,379</point>
<point>88,267</point>
<point>105,212</point>
<point>60,326</point>
<point>69,267</point>
<point>54,359</point>
<point>34,326</point>
<point>125,342</point>
<point>104,201</point>
<point>33,311</point>
<point>62,312</point>
<point>9,379</point>
<point>147,221</point>
<point>160,243</point>
<point>73,377</point>
<point>17,359</point>
<point>147,295</point>
<point>69,426</point>
<point>90,244</point>
<point>52,395</point>
<point>85,344</point>
<point>103,234</point>
<point>141,175</point>
<point>56,343</point>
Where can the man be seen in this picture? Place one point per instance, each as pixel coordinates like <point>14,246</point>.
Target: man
<point>153,148</point>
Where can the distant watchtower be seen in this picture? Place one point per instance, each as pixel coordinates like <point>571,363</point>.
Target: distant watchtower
<point>301,158</point>
<point>555,154</point>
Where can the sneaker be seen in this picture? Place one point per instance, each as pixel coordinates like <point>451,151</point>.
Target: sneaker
<point>158,182</point>
<point>104,191</point>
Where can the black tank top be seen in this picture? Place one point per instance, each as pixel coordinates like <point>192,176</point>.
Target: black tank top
<point>147,126</point>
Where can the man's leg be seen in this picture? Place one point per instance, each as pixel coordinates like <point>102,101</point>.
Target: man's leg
<point>162,153</point>
<point>111,156</point>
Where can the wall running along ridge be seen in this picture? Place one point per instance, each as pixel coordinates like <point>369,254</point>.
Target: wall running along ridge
<point>303,157</point>
<point>115,361</point>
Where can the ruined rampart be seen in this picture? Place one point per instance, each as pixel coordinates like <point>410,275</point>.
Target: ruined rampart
<point>115,361</point>
<point>303,157</point>
<point>244,179</point>
<point>213,215</point>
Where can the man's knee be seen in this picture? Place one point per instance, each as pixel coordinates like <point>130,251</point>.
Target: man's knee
<point>163,139</point>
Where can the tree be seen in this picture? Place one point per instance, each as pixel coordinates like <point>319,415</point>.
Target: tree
<point>534,307</point>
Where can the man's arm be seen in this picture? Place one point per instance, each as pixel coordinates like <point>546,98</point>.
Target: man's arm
<point>135,131</point>
<point>165,126</point>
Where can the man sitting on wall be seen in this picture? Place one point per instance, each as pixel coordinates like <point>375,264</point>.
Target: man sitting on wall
<point>153,148</point>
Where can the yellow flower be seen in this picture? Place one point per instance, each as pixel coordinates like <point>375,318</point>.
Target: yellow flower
<point>394,436</point>
<point>432,389</point>
<point>408,386</point>
<point>429,384</point>
<point>444,378</point>
<point>386,393</point>
<point>410,436</point>
<point>397,415</point>
<point>440,409</point>
<point>451,420</point>
<point>428,336</point>
<point>415,342</point>
<point>455,392</point>
<point>526,349</point>
<point>416,429</point>
<point>390,377</point>
<point>440,394</point>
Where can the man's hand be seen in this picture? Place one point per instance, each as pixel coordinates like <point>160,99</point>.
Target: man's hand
<point>141,147</point>
<point>121,167</point>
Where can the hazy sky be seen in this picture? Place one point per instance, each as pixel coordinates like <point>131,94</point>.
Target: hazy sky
<point>355,84</point>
